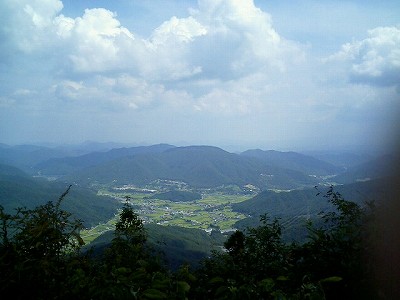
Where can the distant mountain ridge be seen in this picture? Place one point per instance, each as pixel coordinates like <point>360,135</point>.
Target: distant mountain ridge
<point>341,159</point>
<point>294,161</point>
<point>199,166</point>
<point>67,165</point>
<point>382,166</point>
<point>26,156</point>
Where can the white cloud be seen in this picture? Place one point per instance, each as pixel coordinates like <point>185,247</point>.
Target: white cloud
<point>223,39</point>
<point>181,30</point>
<point>242,96</point>
<point>28,22</point>
<point>114,93</point>
<point>40,13</point>
<point>24,93</point>
<point>95,41</point>
<point>99,44</point>
<point>224,62</point>
<point>374,60</point>
<point>242,34</point>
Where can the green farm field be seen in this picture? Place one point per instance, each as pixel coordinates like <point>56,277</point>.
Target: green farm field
<point>212,211</point>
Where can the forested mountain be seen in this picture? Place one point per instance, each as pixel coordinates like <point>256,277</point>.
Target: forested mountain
<point>67,165</point>
<point>199,166</point>
<point>340,159</point>
<point>176,245</point>
<point>294,161</point>
<point>26,156</point>
<point>382,166</point>
<point>310,201</point>
<point>296,207</point>
<point>17,189</point>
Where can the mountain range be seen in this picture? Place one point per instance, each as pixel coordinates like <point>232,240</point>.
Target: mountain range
<point>198,166</point>
<point>294,161</point>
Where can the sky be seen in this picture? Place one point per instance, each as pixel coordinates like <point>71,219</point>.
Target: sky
<point>310,74</point>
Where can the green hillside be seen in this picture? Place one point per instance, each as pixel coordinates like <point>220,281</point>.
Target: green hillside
<point>294,161</point>
<point>177,245</point>
<point>67,165</point>
<point>307,202</point>
<point>296,207</point>
<point>198,166</point>
<point>17,189</point>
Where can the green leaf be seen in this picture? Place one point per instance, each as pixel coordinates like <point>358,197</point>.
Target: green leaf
<point>332,279</point>
<point>123,270</point>
<point>282,278</point>
<point>78,237</point>
<point>222,290</point>
<point>216,280</point>
<point>161,284</point>
<point>154,294</point>
<point>183,286</point>
<point>267,284</point>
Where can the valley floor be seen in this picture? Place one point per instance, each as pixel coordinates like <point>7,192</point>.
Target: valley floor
<point>213,211</point>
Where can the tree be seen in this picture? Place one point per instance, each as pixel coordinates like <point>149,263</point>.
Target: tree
<point>41,258</point>
<point>330,265</point>
<point>334,259</point>
<point>129,238</point>
<point>128,269</point>
<point>253,266</point>
<point>36,247</point>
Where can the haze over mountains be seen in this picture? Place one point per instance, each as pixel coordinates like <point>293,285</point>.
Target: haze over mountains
<point>198,166</point>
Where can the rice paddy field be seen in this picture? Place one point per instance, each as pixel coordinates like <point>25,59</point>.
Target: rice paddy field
<point>212,211</point>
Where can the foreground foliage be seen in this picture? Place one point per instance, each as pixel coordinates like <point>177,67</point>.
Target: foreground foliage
<point>332,264</point>
<point>41,257</point>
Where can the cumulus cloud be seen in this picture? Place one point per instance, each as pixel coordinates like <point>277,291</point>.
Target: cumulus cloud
<point>228,40</point>
<point>182,30</point>
<point>242,96</point>
<point>374,60</point>
<point>96,42</point>
<point>241,39</point>
<point>24,24</point>
<point>95,91</point>
<point>222,67</point>
<point>117,93</point>
<point>178,48</point>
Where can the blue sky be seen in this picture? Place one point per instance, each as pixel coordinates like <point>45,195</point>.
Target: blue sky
<point>267,74</point>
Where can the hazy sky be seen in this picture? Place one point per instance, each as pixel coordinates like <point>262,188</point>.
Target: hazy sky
<point>267,74</point>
